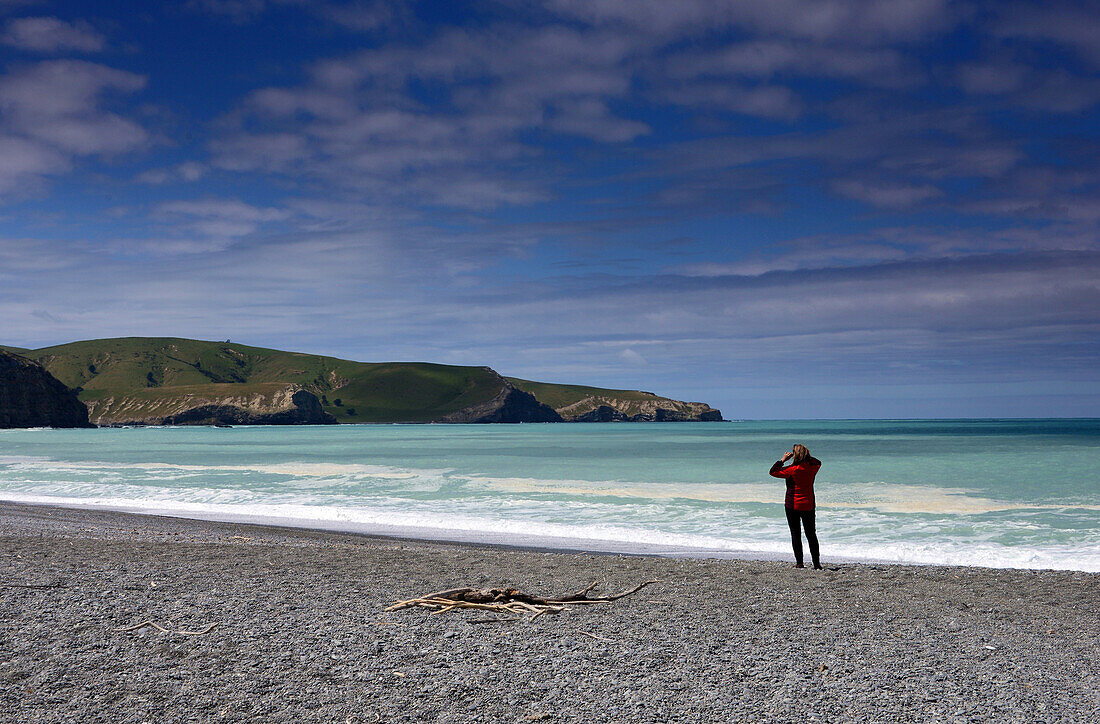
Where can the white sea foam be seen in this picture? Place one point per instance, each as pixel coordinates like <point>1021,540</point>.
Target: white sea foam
<point>881,495</point>
<point>293,469</point>
<point>609,538</point>
<point>859,519</point>
<point>886,497</point>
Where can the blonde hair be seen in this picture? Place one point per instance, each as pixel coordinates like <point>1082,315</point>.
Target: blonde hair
<point>801,452</point>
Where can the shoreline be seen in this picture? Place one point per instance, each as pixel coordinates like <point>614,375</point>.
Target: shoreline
<point>300,633</point>
<point>474,537</point>
<point>446,536</point>
<point>544,490</point>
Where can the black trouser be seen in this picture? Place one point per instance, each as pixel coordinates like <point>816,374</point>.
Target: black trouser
<point>797,519</point>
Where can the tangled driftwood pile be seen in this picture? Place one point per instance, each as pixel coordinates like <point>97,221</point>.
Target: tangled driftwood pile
<point>509,601</point>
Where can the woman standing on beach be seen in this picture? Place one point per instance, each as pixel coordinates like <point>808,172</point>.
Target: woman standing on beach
<point>799,502</point>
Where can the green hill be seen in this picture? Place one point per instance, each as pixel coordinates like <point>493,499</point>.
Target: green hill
<point>578,402</point>
<point>159,380</point>
<point>558,396</point>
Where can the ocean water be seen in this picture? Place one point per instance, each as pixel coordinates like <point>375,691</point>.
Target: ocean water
<point>1001,493</point>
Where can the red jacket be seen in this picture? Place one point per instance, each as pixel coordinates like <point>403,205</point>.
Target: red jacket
<point>800,482</point>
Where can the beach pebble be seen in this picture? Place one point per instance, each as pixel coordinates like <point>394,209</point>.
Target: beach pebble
<point>724,640</point>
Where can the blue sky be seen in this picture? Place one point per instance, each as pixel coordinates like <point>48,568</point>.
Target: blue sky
<point>838,208</point>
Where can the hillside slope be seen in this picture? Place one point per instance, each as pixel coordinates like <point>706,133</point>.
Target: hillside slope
<point>577,403</point>
<point>31,397</point>
<point>178,381</point>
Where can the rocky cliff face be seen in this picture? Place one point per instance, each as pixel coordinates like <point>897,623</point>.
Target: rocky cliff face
<point>511,404</point>
<point>280,405</point>
<point>32,397</point>
<point>657,409</point>
<point>304,409</point>
<point>607,413</point>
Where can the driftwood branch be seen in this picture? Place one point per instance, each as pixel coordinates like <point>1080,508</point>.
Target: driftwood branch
<point>510,601</point>
<point>153,624</point>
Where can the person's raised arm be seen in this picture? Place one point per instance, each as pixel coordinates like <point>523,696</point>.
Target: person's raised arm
<point>777,470</point>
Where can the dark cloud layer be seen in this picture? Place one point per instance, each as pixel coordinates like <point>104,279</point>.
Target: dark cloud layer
<point>896,202</point>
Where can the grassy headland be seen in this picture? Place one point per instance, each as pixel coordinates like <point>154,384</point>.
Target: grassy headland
<point>142,378</point>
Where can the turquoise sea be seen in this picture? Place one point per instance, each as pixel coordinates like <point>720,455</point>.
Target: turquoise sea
<point>1002,493</point>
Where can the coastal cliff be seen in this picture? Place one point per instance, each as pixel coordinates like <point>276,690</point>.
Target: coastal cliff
<point>595,409</point>
<point>32,397</point>
<point>272,404</point>
<point>576,403</point>
<point>511,404</point>
<point>175,381</point>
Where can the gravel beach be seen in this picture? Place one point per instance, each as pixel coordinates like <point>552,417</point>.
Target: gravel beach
<point>301,635</point>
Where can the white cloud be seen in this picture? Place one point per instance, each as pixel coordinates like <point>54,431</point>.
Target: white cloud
<point>61,88</point>
<point>363,15</point>
<point>26,161</point>
<point>362,123</point>
<point>237,10</point>
<point>358,123</point>
<point>369,298</point>
<point>188,171</point>
<point>227,209</point>
<point>51,35</point>
<point>764,101</point>
<point>990,77</point>
<point>767,59</point>
<point>886,194</point>
<point>210,223</point>
<point>865,21</point>
<point>1074,24</point>
<point>591,118</point>
<point>355,15</point>
<point>54,111</point>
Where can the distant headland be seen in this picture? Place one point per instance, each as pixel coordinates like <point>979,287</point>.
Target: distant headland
<point>172,381</point>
